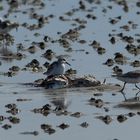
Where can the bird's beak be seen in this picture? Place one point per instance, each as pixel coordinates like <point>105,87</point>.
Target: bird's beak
<point>68,63</point>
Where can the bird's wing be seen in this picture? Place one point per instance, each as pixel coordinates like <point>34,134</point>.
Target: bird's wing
<point>133,74</point>
<point>51,66</point>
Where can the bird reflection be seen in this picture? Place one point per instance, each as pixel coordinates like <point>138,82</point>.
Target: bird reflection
<point>136,95</point>
<point>131,103</point>
<point>5,54</point>
<point>61,102</point>
<point>59,99</point>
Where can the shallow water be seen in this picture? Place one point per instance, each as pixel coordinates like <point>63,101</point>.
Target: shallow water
<point>85,60</point>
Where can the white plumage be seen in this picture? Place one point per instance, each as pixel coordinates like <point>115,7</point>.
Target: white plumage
<point>57,67</point>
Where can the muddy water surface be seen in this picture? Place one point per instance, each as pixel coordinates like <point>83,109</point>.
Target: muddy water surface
<point>94,21</point>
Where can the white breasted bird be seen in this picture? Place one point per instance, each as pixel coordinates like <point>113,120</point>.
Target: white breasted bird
<point>57,67</point>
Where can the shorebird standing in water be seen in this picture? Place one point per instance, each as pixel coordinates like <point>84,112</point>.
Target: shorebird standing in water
<point>57,67</point>
<point>132,77</point>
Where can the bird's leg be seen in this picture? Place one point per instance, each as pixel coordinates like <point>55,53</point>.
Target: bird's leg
<point>124,95</point>
<point>123,87</point>
<point>137,94</point>
<point>137,86</point>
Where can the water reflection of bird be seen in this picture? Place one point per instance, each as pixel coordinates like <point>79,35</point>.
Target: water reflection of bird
<point>57,67</point>
<point>61,102</point>
<point>132,77</point>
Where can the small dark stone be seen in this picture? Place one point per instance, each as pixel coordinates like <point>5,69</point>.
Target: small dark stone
<point>131,114</point>
<point>113,21</point>
<point>119,58</point>
<point>33,63</point>
<point>6,126</point>
<point>138,4</point>
<point>95,44</point>
<point>13,111</point>
<point>138,113</point>
<point>21,100</point>
<point>112,40</point>
<point>76,114</point>
<point>46,64</point>
<point>35,133</point>
<point>19,56</point>
<point>2,118</point>
<point>47,38</point>
<point>121,118</point>
<point>42,45</point>
<point>82,5</point>
<point>14,68</point>
<point>101,50</point>
<point>109,62</point>
<point>63,126</point>
<point>82,41</point>
<point>107,119</point>
<point>11,106</point>
<point>135,63</point>
<point>14,120</point>
<point>106,109</point>
<point>45,113</point>
<point>97,94</point>
<point>128,39</point>
<point>50,131</point>
<point>99,103</point>
<point>37,110</point>
<point>45,126</point>
<point>92,99</point>
<point>89,16</point>
<point>117,70</point>
<point>84,124</point>
<point>71,71</point>
<point>9,73</point>
<point>48,54</point>
<point>32,49</point>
